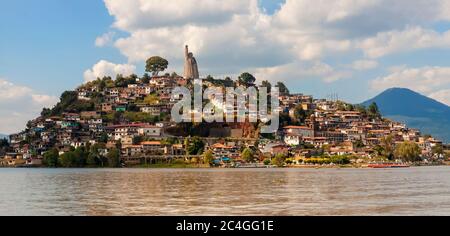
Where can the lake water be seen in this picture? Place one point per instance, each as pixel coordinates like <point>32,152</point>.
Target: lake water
<point>412,191</point>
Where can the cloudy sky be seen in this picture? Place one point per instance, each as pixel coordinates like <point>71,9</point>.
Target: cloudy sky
<point>355,48</point>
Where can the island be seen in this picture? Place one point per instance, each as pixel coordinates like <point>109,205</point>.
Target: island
<point>127,122</point>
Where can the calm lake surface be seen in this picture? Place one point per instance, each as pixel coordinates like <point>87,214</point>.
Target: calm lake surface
<point>413,191</point>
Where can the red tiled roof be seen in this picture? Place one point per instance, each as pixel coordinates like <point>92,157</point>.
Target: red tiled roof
<point>296,127</point>
<point>219,145</point>
<point>293,134</point>
<point>151,143</point>
<point>140,125</point>
<point>132,146</point>
<point>279,146</point>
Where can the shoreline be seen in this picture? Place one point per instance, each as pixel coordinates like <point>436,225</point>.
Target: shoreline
<point>201,166</point>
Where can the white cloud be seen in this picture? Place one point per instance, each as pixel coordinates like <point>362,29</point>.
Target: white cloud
<point>360,18</point>
<point>140,14</point>
<point>236,34</point>
<point>104,39</point>
<point>106,68</point>
<point>397,68</point>
<point>228,37</point>
<point>302,71</point>
<point>364,65</point>
<point>43,99</point>
<point>228,46</point>
<point>20,104</point>
<point>431,81</point>
<point>405,40</point>
<point>11,91</point>
<point>442,96</point>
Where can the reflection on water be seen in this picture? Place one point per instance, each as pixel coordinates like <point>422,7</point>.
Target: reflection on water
<point>413,191</point>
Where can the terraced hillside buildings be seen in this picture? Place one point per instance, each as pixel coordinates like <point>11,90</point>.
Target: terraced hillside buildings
<point>126,121</point>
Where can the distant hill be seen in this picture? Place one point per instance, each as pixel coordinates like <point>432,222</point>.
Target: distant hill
<point>2,136</point>
<point>416,110</point>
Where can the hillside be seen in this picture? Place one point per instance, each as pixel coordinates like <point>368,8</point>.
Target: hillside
<point>127,120</point>
<point>416,110</point>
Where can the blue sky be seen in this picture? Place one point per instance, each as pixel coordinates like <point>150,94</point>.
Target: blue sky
<point>48,44</point>
<point>353,49</point>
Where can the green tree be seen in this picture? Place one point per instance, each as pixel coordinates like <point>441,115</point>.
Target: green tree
<point>279,160</point>
<point>229,80</point>
<point>133,77</point>
<point>68,97</point>
<point>248,155</point>
<point>285,119</point>
<point>359,143</point>
<point>123,82</point>
<point>378,150</point>
<point>69,103</point>
<point>46,112</point>
<point>117,117</point>
<point>133,107</point>
<point>95,155</point>
<point>102,85</point>
<point>408,151</point>
<point>93,159</point>
<point>151,99</point>
<point>208,157</point>
<point>388,147</point>
<point>137,140</point>
<point>350,107</point>
<point>109,82</point>
<point>361,109</point>
<point>246,79</point>
<point>341,106</point>
<point>51,158</point>
<point>67,159</point>
<point>300,114</point>
<point>65,101</point>
<point>156,64</point>
<point>103,137</point>
<point>113,158</point>
<point>373,111</point>
<point>141,117</point>
<point>195,146</point>
<point>145,78</point>
<point>266,84</point>
<point>169,141</point>
<point>282,89</point>
<point>437,149</point>
<point>342,160</point>
<point>80,156</point>
<point>4,143</point>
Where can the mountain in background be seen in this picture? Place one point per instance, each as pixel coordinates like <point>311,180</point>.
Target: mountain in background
<point>415,110</point>
<point>2,136</point>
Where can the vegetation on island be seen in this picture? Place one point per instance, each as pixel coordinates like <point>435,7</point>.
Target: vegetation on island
<point>80,132</point>
<point>82,157</point>
<point>156,64</point>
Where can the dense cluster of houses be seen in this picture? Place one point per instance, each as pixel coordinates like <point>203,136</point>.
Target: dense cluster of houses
<point>340,131</point>
<point>70,130</point>
<point>347,132</point>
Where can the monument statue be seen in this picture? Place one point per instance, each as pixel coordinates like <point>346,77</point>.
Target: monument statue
<point>190,65</point>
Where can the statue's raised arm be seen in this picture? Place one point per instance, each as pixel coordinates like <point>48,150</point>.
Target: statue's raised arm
<point>190,65</point>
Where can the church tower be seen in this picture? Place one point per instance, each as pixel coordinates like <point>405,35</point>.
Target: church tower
<point>313,125</point>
